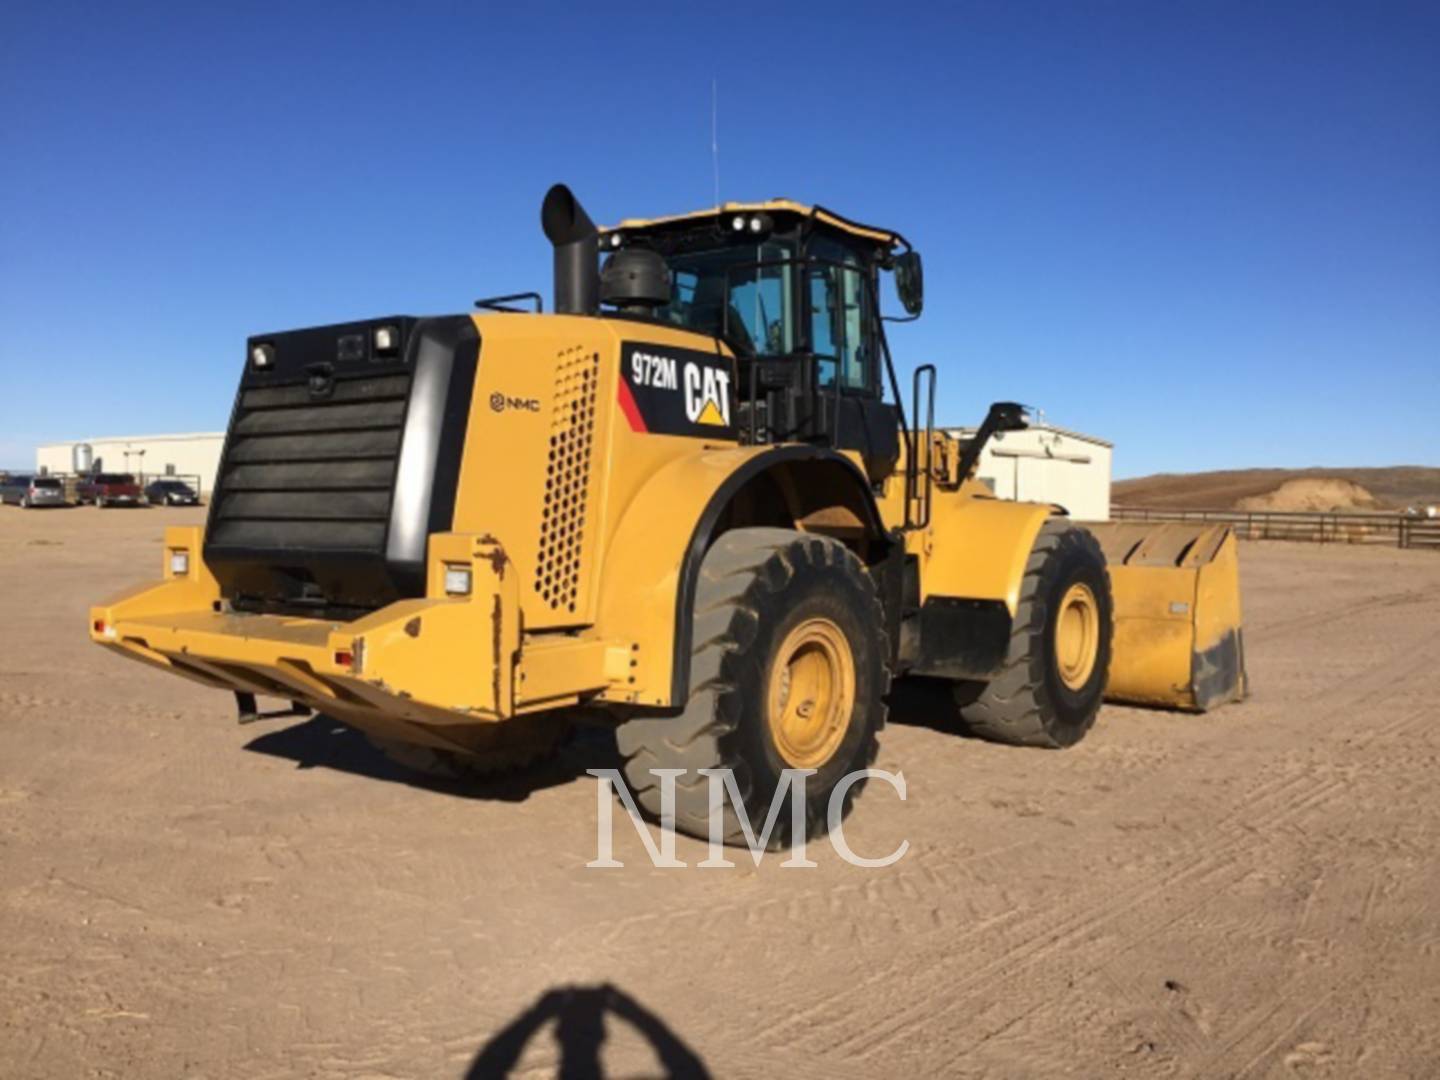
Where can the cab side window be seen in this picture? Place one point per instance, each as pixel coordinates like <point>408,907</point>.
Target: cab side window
<point>841,317</point>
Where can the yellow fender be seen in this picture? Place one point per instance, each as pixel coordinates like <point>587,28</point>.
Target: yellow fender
<point>977,548</point>
<point>652,561</point>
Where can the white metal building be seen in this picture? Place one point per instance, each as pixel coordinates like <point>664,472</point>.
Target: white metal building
<point>195,456</point>
<point>1049,465</point>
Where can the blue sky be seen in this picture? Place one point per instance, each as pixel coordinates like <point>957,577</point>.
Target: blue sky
<point>1207,231</point>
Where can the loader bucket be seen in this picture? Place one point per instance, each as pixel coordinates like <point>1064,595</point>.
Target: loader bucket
<point>1178,642</point>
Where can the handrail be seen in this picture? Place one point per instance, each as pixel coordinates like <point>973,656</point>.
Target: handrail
<point>920,501</point>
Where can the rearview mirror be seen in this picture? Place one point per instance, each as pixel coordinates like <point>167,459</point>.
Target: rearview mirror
<point>910,282</point>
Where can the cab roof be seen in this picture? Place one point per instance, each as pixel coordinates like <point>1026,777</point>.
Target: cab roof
<point>887,237</point>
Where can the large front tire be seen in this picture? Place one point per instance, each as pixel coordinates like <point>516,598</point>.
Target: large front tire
<point>789,667</point>
<point>1049,689</point>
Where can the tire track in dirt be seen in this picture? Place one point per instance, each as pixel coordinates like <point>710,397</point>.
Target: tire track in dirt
<point>1353,900</point>
<point>1262,629</point>
<point>1035,950</point>
<point>1241,817</point>
<point>1316,988</point>
<point>1280,799</point>
<point>1211,869</point>
<point>1298,806</point>
<point>1273,804</point>
<point>138,710</point>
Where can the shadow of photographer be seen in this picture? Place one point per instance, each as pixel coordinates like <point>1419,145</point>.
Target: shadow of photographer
<point>579,1016</point>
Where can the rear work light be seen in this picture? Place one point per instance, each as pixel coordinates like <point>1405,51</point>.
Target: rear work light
<point>180,563</point>
<point>457,581</point>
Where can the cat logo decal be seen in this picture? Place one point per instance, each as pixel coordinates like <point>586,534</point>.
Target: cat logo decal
<point>665,390</point>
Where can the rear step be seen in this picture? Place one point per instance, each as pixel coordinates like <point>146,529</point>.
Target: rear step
<point>250,714</point>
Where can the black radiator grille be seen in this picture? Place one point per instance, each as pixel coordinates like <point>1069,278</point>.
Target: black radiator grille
<point>310,474</point>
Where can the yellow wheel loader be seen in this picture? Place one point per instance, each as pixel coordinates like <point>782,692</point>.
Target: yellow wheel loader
<point>687,503</point>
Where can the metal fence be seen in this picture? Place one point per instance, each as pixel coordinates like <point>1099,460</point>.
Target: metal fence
<point>1322,527</point>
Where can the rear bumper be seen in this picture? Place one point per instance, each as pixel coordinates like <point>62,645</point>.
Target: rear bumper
<point>434,660</point>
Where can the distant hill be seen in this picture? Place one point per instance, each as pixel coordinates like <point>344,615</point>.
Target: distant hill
<point>1391,488</point>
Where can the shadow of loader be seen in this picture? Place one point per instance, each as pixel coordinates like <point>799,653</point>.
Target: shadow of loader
<point>321,742</point>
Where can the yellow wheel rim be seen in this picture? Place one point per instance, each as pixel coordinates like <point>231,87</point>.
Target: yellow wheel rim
<point>1077,635</point>
<point>811,694</point>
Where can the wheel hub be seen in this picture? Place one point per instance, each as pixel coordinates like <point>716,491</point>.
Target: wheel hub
<point>812,693</point>
<point>1077,635</point>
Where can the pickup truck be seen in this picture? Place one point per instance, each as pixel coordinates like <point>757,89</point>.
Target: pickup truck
<point>108,489</point>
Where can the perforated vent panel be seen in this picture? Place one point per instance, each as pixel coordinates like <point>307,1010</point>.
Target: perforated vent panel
<point>567,479</point>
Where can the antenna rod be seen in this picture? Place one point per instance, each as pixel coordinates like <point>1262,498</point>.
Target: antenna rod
<point>715,133</point>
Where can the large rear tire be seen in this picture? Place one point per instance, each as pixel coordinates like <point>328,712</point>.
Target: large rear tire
<point>789,667</point>
<point>1049,690</point>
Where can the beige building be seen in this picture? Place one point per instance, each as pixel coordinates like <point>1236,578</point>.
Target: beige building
<point>1049,465</point>
<point>194,457</point>
<point>1041,464</point>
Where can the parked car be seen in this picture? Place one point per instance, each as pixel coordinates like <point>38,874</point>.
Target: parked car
<point>28,491</point>
<point>108,489</point>
<point>170,492</point>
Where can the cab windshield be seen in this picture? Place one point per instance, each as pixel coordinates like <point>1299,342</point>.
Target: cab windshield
<point>741,293</point>
<point>744,293</point>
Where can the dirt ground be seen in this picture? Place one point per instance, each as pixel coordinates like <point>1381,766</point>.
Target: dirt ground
<point>1248,893</point>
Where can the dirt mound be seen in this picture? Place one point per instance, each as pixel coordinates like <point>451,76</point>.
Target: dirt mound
<point>1311,494</point>
<point>1394,487</point>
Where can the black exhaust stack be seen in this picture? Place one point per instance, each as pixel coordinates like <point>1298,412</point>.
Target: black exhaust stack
<point>577,252</point>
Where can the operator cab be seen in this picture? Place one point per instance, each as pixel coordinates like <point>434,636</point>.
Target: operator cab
<point>794,291</point>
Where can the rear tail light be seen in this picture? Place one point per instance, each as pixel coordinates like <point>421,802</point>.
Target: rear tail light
<point>352,659</point>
